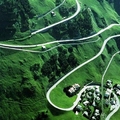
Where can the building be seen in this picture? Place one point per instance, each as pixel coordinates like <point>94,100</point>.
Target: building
<point>97,110</point>
<point>98,98</point>
<point>109,84</point>
<point>85,103</point>
<point>112,107</point>
<point>53,14</point>
<point>77,109</point>
<point>76,86</point>
<point>73,89</point>
<point>116,88</point>
<point>107,93</point>
<point>89,95</point>
<point>43,47</point>
<point>118,92</point>
<point>109,81</point>
<point>94,118</point>
<point>96,115</point>
<point>97,90</point>
<point>86,114</point>
<point>94,103</point>
<point>112,101</point>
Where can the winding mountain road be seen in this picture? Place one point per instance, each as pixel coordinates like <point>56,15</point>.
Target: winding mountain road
<point>81,65</point>
<point>19,47</point>
<point>75,103</point>
<point>50,26</point>
<point>45,14</point>
<point>117,106</point>
<point>60,41</point>
<point>38,51</point>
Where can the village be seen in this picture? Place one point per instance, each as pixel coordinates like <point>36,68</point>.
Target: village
<point>90,105</point>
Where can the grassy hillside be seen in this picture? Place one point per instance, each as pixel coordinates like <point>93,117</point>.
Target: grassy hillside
<point>25,77</point>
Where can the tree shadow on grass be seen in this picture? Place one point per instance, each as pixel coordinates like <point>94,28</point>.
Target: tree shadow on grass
<point>54,111</point>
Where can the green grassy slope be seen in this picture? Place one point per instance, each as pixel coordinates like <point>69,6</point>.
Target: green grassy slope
<point>91,72</point>
<point>23,95</point>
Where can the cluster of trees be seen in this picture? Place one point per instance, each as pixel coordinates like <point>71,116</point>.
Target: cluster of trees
<point>64,11</point>
<point>84,23</point>
<point>28,90</point>
<point>43,115</point>
<point>7,18</point>
<point>17,91</point>
<point>50,68</point>
<point>35,69</point>
<point>23,87</point>
<point>78,27</point>
<point>59,63</point>
<point>58,2</point>
<point>14,15</point>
